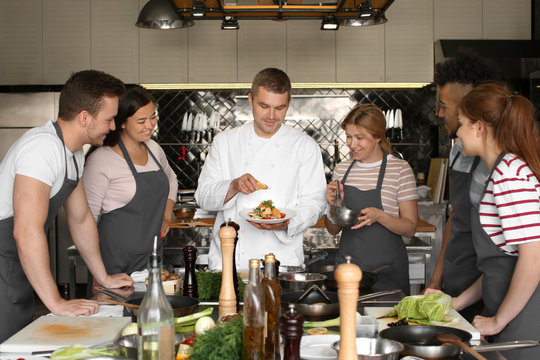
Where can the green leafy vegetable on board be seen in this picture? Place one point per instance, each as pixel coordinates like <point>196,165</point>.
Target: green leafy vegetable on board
<point>431,309</point>
<point>209,285</point>
<point>222,342</point>
<point>78,352</point>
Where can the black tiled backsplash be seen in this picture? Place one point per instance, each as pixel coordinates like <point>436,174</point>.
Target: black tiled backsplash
<point>318,112</point>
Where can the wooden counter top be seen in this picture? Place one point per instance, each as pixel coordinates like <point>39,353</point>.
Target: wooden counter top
<point>422,226</point>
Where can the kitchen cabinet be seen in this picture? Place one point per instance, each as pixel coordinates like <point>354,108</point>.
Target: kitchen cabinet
<point>409,41</point>
<point>360,54</point>
<point>21,46</point>
<point>457,19</point>
<point>66,39</point>
<point>261,44</point>
<point>477,19</point>
<point>311,53</point>
<point>212,53</point>
<point>507,19</point>
<point>115,38</point>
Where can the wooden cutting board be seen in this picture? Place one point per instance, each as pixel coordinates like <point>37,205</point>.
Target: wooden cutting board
<point>54,332</point>
<point>458,322</point>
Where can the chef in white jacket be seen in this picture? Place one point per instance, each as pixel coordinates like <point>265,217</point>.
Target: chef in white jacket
<point>288,161</point>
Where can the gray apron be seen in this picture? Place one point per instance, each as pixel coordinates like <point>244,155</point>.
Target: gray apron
<point>16,293</point>
<point>126,234</point>
<point>498,269</point>
<point>460,269</point>
<point>374,245</point>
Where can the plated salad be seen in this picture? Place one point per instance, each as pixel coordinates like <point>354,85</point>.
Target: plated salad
<point>266,211</point>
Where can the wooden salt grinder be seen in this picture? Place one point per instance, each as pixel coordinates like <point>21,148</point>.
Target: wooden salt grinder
<point>227,296</point>
<point>348,277</point>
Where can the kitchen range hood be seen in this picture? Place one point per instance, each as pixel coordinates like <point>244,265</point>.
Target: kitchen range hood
<point>518,61</point>
<point>332,13</point>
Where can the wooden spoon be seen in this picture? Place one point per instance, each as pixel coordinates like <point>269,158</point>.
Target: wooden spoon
<point>453,339</point>
<point>114,302</point>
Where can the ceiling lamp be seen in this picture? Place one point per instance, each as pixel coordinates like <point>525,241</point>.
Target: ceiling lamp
<point>365,9</point>
<point>364,21</point>
<point>230,23</point>
<point>161,14</point>
<point>329,23</point>
<point>198,9</point>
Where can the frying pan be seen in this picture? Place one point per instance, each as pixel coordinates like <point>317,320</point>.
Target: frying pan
<point>419,340</point>
<point>368,278</point>
<point>181,305</point>
<point>307,302</point>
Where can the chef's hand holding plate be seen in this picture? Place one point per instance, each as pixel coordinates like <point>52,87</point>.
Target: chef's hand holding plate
<point>263,226</point>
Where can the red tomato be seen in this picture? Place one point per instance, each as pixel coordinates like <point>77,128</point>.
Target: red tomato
<point>190,340</point>
<point>283,215</point>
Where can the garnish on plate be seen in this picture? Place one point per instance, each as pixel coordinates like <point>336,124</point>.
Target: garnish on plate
<point>266,211</point>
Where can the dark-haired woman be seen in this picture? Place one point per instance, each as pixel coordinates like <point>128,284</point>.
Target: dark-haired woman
<point>130,186</point>
<point>383,189</point>
<point>500,128</point>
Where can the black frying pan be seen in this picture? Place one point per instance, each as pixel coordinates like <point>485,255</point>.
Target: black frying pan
<point>419,340</point>
<point>181,305</point>
<point>369,278</point>
<point>308,306</point>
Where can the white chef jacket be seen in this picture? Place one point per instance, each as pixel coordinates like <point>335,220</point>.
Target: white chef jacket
<point>290,163</point>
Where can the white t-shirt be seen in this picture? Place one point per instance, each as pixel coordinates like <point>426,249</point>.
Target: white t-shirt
<point>38,154</point>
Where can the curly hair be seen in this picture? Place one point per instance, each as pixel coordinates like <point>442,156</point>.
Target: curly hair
<point>467,67</point>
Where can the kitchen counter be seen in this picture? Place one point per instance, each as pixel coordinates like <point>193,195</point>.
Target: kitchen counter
<point>422,226</point>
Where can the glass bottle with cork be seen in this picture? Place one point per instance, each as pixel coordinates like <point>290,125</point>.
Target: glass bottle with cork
<point>156,319</point>
<point>253,314</point>
<point>272,305</point>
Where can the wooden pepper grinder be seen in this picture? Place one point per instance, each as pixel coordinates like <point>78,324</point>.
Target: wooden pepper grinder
<point>235,273</point>
<point>291,329</point>
<point>190,281</point>
<point>348,277</point>
<point>227,296</point>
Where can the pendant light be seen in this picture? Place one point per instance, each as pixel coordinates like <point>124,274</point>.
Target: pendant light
<point>161,14</point>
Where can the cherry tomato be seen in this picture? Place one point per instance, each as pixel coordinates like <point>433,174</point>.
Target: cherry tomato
<point>190,340</point>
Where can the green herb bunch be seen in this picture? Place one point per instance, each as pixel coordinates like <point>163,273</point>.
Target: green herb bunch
<point>225,341</point>
<point>209,285</point>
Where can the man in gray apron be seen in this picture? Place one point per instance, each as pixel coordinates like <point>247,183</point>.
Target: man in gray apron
<point>374,245</point>
<point>24,261</point>
<point>126,234</point>
<point>498,269</point>
<point>456,269</point>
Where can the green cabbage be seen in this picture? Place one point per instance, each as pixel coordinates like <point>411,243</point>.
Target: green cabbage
<point>423,309</point>
<point>78,352</point>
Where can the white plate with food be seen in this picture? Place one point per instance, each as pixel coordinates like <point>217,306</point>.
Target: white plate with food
<point>318,347</point>
<point>289,213</point>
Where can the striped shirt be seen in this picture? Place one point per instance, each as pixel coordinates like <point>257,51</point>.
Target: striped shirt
<point>510,208</point>
<point>399,184</point>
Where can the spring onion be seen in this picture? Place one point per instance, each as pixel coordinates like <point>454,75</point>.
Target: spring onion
<point>328,323</point>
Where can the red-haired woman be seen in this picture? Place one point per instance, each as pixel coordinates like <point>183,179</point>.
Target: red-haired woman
<point>500,128</point>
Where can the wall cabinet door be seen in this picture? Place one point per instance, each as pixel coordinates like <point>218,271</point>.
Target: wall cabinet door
<point>212,53</point>
<point>261,44</point>
<point>66,39</point>
<point>507,19</point>
<point>457,19</point>
<point>311,52</point>
<point>115,39</point>
<point>21,42</point>
<point>360,54</point>
<point>409,41</point>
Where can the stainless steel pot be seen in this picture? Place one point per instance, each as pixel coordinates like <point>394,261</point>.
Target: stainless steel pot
<point>375,349</point>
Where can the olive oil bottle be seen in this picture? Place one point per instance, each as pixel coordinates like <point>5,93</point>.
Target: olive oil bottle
<point>253,314</point>
<point>156,319</point>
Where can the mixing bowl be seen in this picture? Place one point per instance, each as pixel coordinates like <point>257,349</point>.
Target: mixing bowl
<point>375,349</point>
<point>343,216</point>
